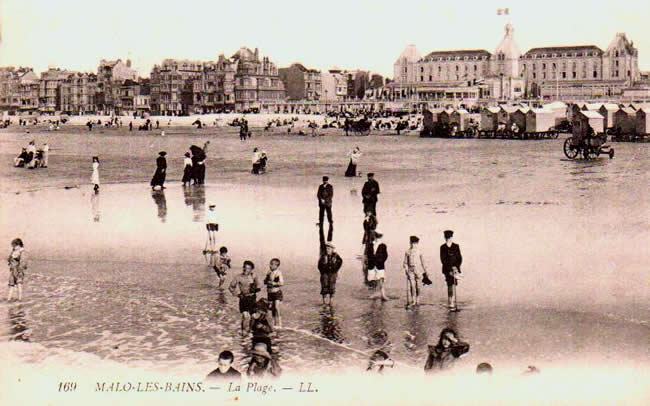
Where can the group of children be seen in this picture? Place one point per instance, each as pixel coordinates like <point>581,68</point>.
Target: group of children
<point>32,158</point>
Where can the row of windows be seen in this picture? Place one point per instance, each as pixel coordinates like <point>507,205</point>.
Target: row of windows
<point>458,58</point>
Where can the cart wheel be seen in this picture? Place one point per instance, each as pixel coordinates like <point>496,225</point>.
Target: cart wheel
<point>569,150</point>
<point>611,153</point>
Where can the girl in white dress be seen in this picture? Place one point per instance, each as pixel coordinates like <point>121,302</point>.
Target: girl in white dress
<point>94,179</point>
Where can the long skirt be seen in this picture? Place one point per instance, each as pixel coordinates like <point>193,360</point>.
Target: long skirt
<point>352,170</point>
<point>187,174</point>
<point>158,178</point>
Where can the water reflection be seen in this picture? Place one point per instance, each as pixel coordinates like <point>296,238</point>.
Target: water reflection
<point>161,202</point>
<point>373,321</point>
<point>417,335</point>
<point>94,206</point>
<point>330,326</point>
<point>321,238</point>
<point>18,328</point>
<point>194,196</point>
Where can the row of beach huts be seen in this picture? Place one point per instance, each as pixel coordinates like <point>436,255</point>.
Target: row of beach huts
<point>629,121</point>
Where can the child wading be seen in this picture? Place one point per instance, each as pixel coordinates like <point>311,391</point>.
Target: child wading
<point>411,258</point>
<point>245,286</point>
<point>220,264</point>
<point>274,281</point>
<point>17,262</point>
<point>451,260</point>
<point>212,226</point>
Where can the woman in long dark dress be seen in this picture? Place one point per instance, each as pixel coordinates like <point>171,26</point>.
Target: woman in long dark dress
<point>161,171</point>
<point>355,154</point>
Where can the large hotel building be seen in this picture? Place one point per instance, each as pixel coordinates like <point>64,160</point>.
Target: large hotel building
<point>566,72</point>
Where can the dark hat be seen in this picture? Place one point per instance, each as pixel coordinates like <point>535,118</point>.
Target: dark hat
<point>448,234</point>
<point>262,305</point>
<point>371,174</point>
<point>187,154</point>
<point>162,153</point>
<point>414,239</point>
<point>326,178</point>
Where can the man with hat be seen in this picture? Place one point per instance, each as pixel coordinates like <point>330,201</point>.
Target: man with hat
<point>369,193</point>
<point>325,194</point>
<point>329,265</point>
<point>451,260</point>
<point>262,364</point>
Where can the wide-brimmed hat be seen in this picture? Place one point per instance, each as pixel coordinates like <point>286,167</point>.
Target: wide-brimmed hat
<point>163,153</point>
<point>260,349</point>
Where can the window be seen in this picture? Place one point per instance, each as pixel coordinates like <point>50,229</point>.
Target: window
<point>430,78</point>
<point>617,64</point>
<point>595,74</point>
<point>421,78</point>
<point>574,75</point>
<point>543,75</point>
<point>616,74</point>
<point>456,68</point>
<point>563,75</point>
<point>421,69</point>
<point>534,75</point>
<point>617,53</point>
<point>475,68</point>
<point>543,66</point>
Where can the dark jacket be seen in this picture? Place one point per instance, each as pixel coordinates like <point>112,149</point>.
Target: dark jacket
<point>370,190</point>
<point>325,194</point>
<point>450,257</point>
<point>369,227</point>
<point>381,255</point>
<point>161,162</point>
<point>330,264</point>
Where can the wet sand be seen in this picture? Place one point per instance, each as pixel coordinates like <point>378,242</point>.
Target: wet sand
<point>554,259</point>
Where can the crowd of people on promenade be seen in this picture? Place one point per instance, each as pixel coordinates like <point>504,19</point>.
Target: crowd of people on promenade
<point>33,158</point>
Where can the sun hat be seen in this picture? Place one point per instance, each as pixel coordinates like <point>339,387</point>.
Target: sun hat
<point>260,349</point>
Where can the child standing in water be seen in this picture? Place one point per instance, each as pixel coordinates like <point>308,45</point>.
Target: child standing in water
<point>17,261</point>
<point>212,226</point>
<point>274,282</point>
<point>411,258</point>
<point>222,265</point>
<point>94,179</point>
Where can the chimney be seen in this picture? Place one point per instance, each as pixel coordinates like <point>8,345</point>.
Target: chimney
<point>128,63</point>
<point>257,54</point>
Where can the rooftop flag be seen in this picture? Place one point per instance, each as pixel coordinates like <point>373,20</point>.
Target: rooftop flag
<point>503,11</point>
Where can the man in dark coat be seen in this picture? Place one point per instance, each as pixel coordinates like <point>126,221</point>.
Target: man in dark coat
<point>329,265</point>
<point>369,193</point>
<point>451,261</point>
<point>325,194</point>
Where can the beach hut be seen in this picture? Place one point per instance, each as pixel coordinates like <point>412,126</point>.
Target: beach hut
<point>504,114</point>
<point>444,116</point>
<point>586,119</point>
<point>607,110</point>
<point>624,120</point>
<point>489,118</point>
<point>574,109</point>
<point>460,118</point>
<point>643,121</point>
<point>518,117</point>
<point>539,120</point>
<point>591,106</point>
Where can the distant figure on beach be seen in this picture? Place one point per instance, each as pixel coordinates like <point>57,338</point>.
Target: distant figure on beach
<point>274,282</point>
<point>325,194</point>
<point>410,266</point>
<point>19,161</point>
<point>212,227</point>
<point>17,262</point>
<point>451,260</point>
<point>245,286</point>
<point>94,178</point>
<point>130,125</point>
<point>243,130</point>
<point>46,155</point>
<point>225,372</point>
<point>378,361</point>
<point>256,161</point>
<point>369,194</point>
<point>157,124</point>
<point>161,171</point>
<point>262,364</point>
<point>444,354</point>
<point>187,169</point>
<point>329,266</point>
<point>354,155</point>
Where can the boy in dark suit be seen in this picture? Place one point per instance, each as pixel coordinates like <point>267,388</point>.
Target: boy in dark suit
<point>451,260</point>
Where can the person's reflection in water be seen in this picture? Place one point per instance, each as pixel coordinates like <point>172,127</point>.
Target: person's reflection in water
<point>330,327</point>
<point>94,206</point>
<point>417,333</point>
<point>194,196</point>
<point>376,334</point>
<point>160,200</point>
<point>18,329</point>
<point>322,241</point>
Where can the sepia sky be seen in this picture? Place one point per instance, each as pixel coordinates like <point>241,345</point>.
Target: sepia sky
<point>368,34</point>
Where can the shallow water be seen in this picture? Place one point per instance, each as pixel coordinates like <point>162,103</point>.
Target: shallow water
<point>555,251</point>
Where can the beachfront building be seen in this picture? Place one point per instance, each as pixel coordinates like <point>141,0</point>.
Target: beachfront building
<point>301,83</point>
<point>566,72</point>
<point>17,87</point>
<point>172,86</point>
<point>111,76</point>
<point>334,85</point>
<point>256,80</point>
<point>77,93</point>
<point>581,72</point>
<point>50,90</point>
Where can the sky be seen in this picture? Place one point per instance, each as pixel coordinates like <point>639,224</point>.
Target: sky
<point>349,34</point>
